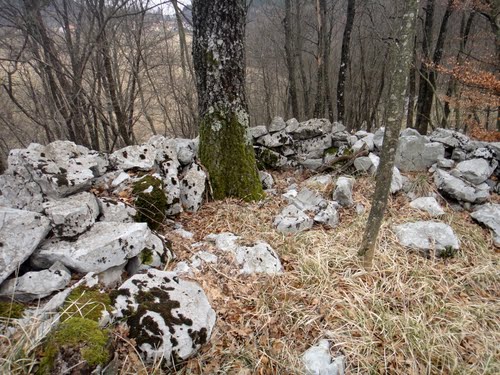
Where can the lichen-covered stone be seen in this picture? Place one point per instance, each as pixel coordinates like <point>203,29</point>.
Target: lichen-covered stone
<point>269,159</point>
<point>150,201</point>
<point>310,129</point>
<point>72,215</point>
<point>140,157</point>
<point>169,318</point>
<point>105,245</point>
<point>192,188</point>
<point>292,220</point>
<point>115,211</point>
<point>20,234</point>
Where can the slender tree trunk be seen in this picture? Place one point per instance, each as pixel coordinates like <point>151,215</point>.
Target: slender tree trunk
<point>290,59</point>
<point>226,150</point>
<point>412,87</point>
<point>401,53</point>
<point>300,60</point>
<point>344,59</point>
<point>319,106</point>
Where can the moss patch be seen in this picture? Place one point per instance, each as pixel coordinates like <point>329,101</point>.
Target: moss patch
<point>150,201</point>
<point>267,159</point>
<point>146,256</point>
<point>11,310</point>
<point>86,302</point>
<point>228,156</point>
<point>76,340</point>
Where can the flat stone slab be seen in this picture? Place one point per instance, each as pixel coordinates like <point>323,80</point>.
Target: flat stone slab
<point>459,189</point>
<point>427,236</point>
<point>292,220</point>
<point>168,317</point>
<point>489,215</point>
<point>428,204</point>
<point>20,234</point>
<point>105,245</point>
<point>72,215</point>
<point>134,157</point>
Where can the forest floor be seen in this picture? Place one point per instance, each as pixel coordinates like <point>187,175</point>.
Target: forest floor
<point>409,315</point>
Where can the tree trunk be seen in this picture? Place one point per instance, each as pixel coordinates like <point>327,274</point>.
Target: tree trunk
<point>290,59</point>
<point>226,150</point>
<point>412,87</point>
<point>401,53</point>
<point>319,106</point>
<point>429,75</point>
<point>344,59</point>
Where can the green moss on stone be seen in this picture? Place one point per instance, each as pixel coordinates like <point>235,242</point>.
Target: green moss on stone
<point>146,256</point>
<point>332,151</point>
<point>11,310</point>
<point>267,159</point>
<point>80,338</point>
<point>151,205</point>
<point>87,303</point>
<point>229,156</point>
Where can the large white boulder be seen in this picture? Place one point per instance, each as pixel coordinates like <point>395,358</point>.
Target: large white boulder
<point>20,234</point>
<point>72,215</point>
<point>105,245</point>
<point>427,236</point>
<point>168,317</point>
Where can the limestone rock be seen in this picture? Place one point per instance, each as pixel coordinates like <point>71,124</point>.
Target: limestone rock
<point>328,215</point>
<point>258,131</point>
<point>192,188</point>
<point>476,171</point>
<point>20,193</point>
<point>59,169</point>
<point>312,164</point>
<point>427,236</point>
<point>20,234</point>
<point>364,164</point>
<point>269,159</point>
<point>275,139</point>
<point>459,189</point>
<point>36,284</point>
<point>445,163</point>
<point>313,148</point>
<point>134,157</point>
<point>319,182</point>
<point>449,138</point>
<point>115,211</point>
<point>489,215</point>
<point>292,220</point>
<point>277,124</point>
<point>337,127</point>
<point>186,150</point>
<point>428,204</point>
<point>168,317</point>
<point>310,129</point>
<point>414,153</point>
<point>317,360</point>
<point>292,125</point>
<point>266,179</point>
<point>72,215</point>
<point>378,138</point>
<point>105,245</point>
<point>396,181</point>
<point>343,191</point>
<point>365,142</point>
<point>307,200</point>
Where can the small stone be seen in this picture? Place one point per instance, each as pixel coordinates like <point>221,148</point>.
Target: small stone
<point>343,191</point>
<point>489,215</point>
<point>328,215</point>
<point>193,188</point>
<point>258,131</point>
<point>266,179</point>
<point>277,124</point>
<point>134,157</point>
<point>292,220</point>
<point>428,204</point>
<point>317,360</point>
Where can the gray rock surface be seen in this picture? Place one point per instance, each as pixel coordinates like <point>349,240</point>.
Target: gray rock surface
<point>192,188</point>
<point>364,164</point>
<point>115,211</point>
<point>313,148</point>
<point>186,150</point>
<point>378,138</point>
<point>105,245</point>
<point>20,193</point>
<point>36,284</point>
<point>266,179</point>
<point>476,171</point>
<point>343,191</point>
<point>307,200</point>
<point>428,204</point>
<point>258,131</point>
<point>459,189</point>
<point>450,138</point>
<point>20,234</point>
<point>292,220</point>
<point>319,182</point>
<point>365,142</point>
<point>134,157</point>
<point>59,169</point>
<point>72,215</point>
<point>427,236</point>
<point>489,215</point>
<point>328,215</point>
<point>173,320</point>
<point>414,153</point>
<point>310,129</point>
<point>396,181</point>
<point>277,124</point>
<point>274,140</point>
<point>317,360</point>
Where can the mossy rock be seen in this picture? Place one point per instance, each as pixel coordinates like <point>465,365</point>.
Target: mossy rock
<point>78,343</point>
<point>11,310</point>
<point>150,201</point>
<point>86,302</point>
<point>146,256</point>
<point>267,159</point>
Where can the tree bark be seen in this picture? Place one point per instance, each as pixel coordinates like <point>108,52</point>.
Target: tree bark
<point>401,53</point>
<point>226,149</point>
<point>344,59</point>
<point>319,106</point>
<point>290,60</point>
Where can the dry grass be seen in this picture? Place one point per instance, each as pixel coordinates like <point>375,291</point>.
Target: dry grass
<point>409,315</point>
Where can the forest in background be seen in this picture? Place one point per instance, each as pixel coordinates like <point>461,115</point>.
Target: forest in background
<point>108,73</point>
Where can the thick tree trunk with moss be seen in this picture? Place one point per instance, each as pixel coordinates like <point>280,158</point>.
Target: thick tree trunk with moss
<point>226,149</point>
<point>401,53</point>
